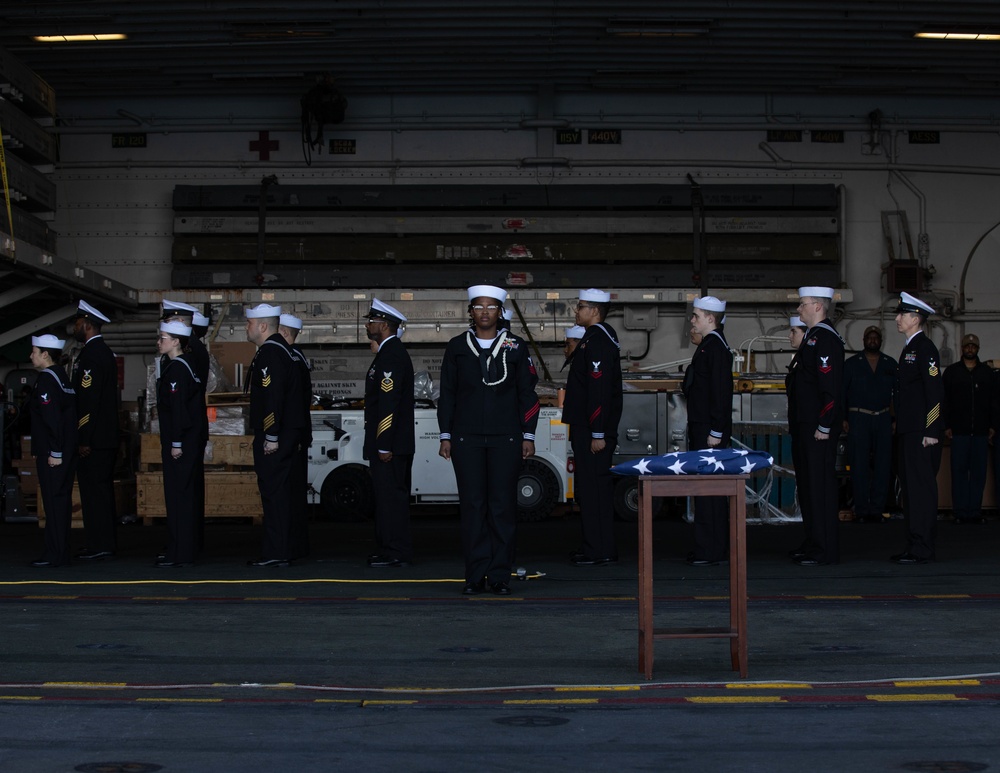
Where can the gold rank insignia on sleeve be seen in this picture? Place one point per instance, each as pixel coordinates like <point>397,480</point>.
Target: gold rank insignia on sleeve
<point>83,420</point>
<point>384,425</point>
<point>932,368</point>
<point>87,380</point>
<point>265,378</point>
<point>387,381</point>
<point>269,421</point>
<point>933,414</point>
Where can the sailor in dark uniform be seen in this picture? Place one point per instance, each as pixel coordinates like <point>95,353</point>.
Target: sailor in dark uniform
<point>389,436</point>
<point>592,409</point>
<point>195,354</point>
<point>53,444</point>
<point>818,415</point>
<point>918,429</point>
<point>180,405</point>
<point>708,388</point>
<point>289,326</point>
<point>279,427</point>
<point>487,414</point>
<point>571,340</point>
<point>95,382</point>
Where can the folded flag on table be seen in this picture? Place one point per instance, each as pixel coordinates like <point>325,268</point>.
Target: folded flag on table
<point>717,461</point>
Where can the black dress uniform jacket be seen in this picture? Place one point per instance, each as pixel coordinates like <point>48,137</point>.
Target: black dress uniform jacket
<point>389,401</point>
<point>594,384</point>
<point>968,398</point>
<point>180,406</point>
<point>95,382</point>
<point>469,405</point>
<point>276,393</point>
<point>53,433</point>
<point>921,389</point>
<point>708,386</point>
<point>818,382</point>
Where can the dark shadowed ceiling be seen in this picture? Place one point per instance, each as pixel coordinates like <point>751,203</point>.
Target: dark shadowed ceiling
<point>447,46</point>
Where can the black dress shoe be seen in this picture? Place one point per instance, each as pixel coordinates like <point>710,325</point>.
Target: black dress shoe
<point>584,561</point>
<point>164,564</point>
<point>269,562</point>
<point>909,558</point>
<point>382,562</point>
<point>501,588</point>
<point>95,555</point>
<point>810,561</point>
<point>41,563</point>
<point>692,561</point>
<point>474,588</point>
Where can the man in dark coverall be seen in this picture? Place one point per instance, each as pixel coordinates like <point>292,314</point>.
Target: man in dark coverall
<point>592,409</point>
<point>95,381</point>
<point>918,429</point>
<point>968,402</point>
<point>389,436</point>
<point>818,416</point>
<point>869,389</point>
<point>289,326</point>
<point>278,424</point>
<point>708,388</point>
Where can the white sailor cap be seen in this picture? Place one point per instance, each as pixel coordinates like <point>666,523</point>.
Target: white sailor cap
<point>796,321</point>
<point>487,291</point>
<point>290,320</point>
<point>593,295</point>
<point>84,309</point>
<point>382,310</point>
<point>816,292</point>
<point>176,308</point>
<point>200,320</point>
<point>709,303</point>
<point>910,303</point>
<point>175,328</point>
<point>47,341</point>
<point>575,331</point>
<point>262,310</point>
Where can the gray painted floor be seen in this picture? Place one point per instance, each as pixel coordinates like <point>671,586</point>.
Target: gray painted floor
<point>330,665</point>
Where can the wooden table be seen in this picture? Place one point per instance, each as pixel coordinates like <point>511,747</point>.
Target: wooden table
<point>733,487</point>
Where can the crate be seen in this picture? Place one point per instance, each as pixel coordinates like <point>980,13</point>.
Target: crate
<point>227,495</point>
<point>124,502</point>
<point>228,451</point>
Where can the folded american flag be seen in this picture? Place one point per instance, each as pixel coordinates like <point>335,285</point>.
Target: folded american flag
<point>717,461</point>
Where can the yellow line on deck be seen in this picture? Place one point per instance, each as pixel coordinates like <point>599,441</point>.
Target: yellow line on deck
<point>735,699</point>
<point>938,696</point>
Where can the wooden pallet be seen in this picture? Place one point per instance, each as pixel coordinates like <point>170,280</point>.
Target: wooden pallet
<point>227,495</point>
<point>231,453</point>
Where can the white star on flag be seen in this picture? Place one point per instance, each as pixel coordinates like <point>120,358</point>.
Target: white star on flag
<point>642,467</point>
<point>747,467</point>
<point>677,467</point>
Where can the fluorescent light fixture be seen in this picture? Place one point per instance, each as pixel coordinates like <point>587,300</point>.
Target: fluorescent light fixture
<point>958,35</point>
<point>78,38</point>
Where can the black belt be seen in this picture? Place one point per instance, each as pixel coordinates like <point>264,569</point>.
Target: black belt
<point>869,413</point>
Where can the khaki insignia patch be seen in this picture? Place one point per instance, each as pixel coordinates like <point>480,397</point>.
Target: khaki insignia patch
<point>269,421</point>
<point>384,425</point>
<point>87,380</point>
<point>933,414</point>
<point>932,368</point>
<point>387,381</point>
<point>83,420</point>
<point>265,380</point>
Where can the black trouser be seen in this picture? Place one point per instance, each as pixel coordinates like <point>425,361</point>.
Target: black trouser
<point>56,487</point>
<point>818,491</point>
<point>300,502</point>
<point>392,506</point>
<point>869,447</point>
<point>275,472</point>
<point>95,474</point>
<point>593,490</point>
<point>180,492</point>
<point>711,514</point>
<point>918,468</point>
<point>199,492</point>
<point>486,469</point>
